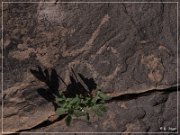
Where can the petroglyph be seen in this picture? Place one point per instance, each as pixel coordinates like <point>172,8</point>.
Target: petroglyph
<point>128,49</point>
<point>154,66</point>
<point>88,45</point>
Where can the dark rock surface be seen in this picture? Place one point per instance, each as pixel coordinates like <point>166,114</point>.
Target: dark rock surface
<point>24,108</point>
<point>126,48</point>
<point>146,112</point>
<point>93,39</point>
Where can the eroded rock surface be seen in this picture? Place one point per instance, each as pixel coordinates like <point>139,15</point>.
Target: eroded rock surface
<point>148,112</point>
<point>125,48</point>
<point>24,108</point>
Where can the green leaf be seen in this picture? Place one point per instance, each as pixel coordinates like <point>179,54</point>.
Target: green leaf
<point>79,113</point>
<point>61,111</point>
<point>95,99</point>
<point>65,104</point>
<point>99,109</point>
<point>75,101</point>
<point>68,120</point>
<point>59,99</point>
<point>85,101</point>
<point>69,99</point>
<point>103,96</point>
<point>98,112</point>
<point>102,108</point>
<point>70,110</point>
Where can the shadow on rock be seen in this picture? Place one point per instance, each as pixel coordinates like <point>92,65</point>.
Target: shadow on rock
<point>79,85</point>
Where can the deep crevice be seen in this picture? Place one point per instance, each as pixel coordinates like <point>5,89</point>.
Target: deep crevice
<point>131,96</point>
<point>41,125</point>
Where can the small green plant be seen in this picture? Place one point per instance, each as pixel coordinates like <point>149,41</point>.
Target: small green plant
<point>78,100</point>
<point>81,106</point>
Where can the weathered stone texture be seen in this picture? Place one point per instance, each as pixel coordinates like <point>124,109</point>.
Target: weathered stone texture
<point>126,48</point>
<point>139,113</point>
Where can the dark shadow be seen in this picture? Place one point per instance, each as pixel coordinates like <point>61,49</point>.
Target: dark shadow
<point>89,82</point>
<point>79,85</point>
<point>76,87</point>
<point>51,80</point>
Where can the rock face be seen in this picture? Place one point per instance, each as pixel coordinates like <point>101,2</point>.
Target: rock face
<point>24,108</point>
<point>126,48</point>
<point>143,113</point>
